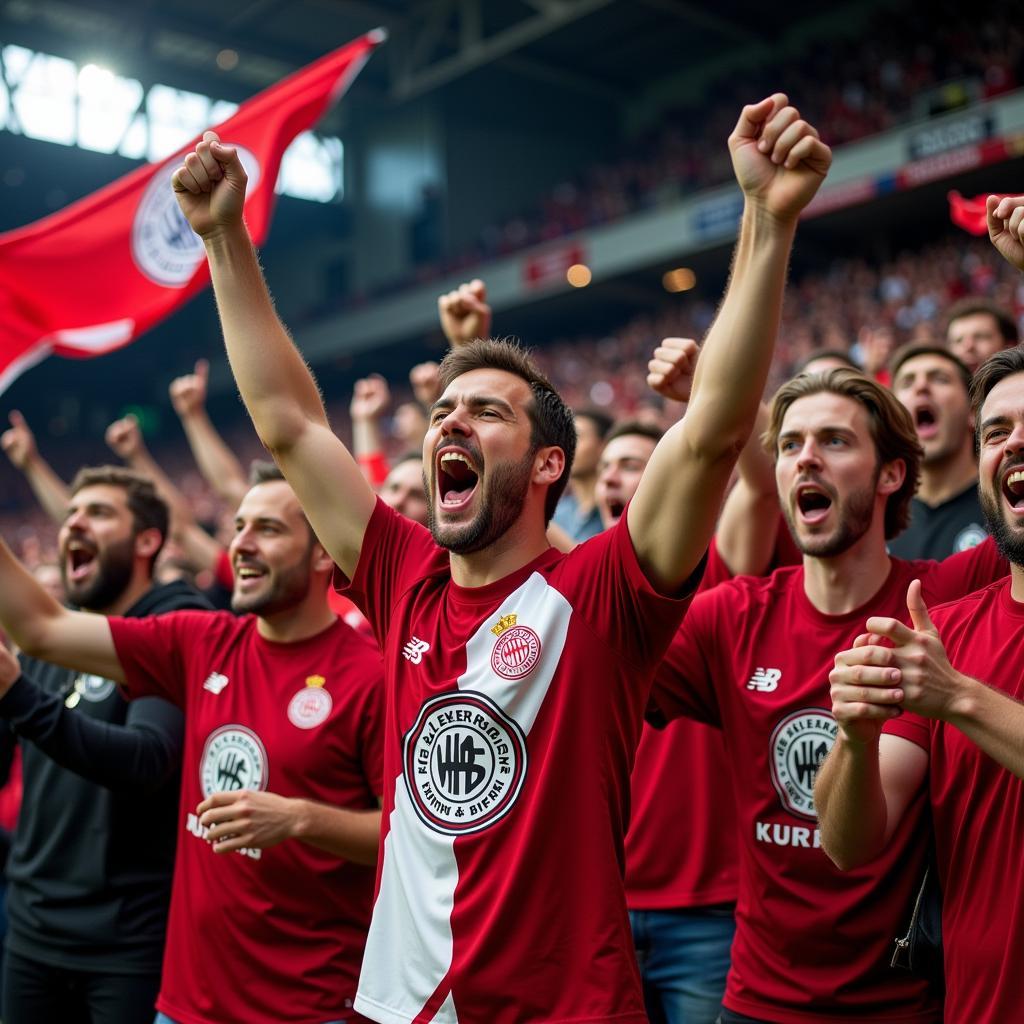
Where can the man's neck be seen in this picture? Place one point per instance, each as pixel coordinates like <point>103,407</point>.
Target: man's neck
<point>844,582</point>
<point>517,547</point>
<point>291,625</point>
<point>941,481</point>
<point>1017,582</point>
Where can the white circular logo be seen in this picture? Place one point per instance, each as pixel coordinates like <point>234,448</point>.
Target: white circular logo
<point>234,758</point>
<point>464,763</point>
<point>969,537</point>
<point>310,707</point>
<point>164,247</point>
<point>799,744</point>
<point>94,688</point>
<point>516,653</point>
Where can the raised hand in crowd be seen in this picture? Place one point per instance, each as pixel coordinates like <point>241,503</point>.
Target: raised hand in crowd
<point>217,463</point>
<point>124,439</point>
<point>465,314</point>
<point>1006,227</point>
<point>671,369</point>
<point>426,383</point>
<point>371,399</point>
<point>188,392</point>
<point>19,444</point>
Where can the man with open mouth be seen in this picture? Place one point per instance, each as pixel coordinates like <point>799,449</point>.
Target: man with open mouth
<point>752,658</point>
<point>516,675</point>
<point>931,712</point>
<point>945,516</point>
<point>88,896</point>
<point>276,827</point>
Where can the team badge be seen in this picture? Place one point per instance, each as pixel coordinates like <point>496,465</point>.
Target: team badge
<point>311,706</point>
<point>464,762</point>
<point>91,688</point>
<point>969,537</point>
<point>233,758</point>
<point>517,649</point>
<point>799,745</point>
<point>164,247</point>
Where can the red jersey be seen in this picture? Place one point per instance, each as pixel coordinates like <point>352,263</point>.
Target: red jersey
<point>513,712</point>
<point>978,817</point>
<point>262,935</point>
<point>753,656</point>
<point>680,786</point>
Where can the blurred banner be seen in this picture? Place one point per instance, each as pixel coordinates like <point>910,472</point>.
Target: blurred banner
<point>97,274</point>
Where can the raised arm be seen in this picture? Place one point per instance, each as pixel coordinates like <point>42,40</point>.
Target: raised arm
<point>465,315</point>
<point>19,444</point>
<point>216,461</point>
<point>370,400</point>
<point>779,163</point>
<point>749,524</point>
<point>47,630</point>
<point>276,385</point>
<point>138,756</point>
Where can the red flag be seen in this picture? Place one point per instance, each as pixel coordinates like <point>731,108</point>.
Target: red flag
<point>94,276</point>
<point>969,214</point>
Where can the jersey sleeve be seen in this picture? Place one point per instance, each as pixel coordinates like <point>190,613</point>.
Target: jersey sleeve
<point>151,652</point>
<point>911,727</point>
<point>684,685</point>
<point>395,553</point>
<point>965,572</point>
<point>603,580</point>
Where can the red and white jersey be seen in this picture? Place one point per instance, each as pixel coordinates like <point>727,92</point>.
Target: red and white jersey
<point>978,817</point>
<point>681,785</point>
<point>263,935</point>
<point>753,656</point>
<point>513,713</point>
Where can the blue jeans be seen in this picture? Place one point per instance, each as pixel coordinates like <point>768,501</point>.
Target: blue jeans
<point>684,958</point>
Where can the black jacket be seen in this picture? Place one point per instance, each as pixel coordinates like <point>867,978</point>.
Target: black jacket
<point>90,865</point>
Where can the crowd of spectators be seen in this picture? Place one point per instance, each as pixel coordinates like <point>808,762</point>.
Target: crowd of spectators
<point>911,61</point>
<point>853,306</point>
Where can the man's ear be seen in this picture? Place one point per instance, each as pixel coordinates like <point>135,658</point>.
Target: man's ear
<point>548,465</point>
<point>148,542</point>
<point>891,476</point>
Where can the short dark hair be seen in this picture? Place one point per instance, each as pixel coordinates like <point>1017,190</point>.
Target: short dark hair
<point>624,428</point>
<point>601,420</point>
<point>262,471</point>
<point>923,348</point>
<point>149,511</point>
<point>996,368</point>
<point>974,304</point>
<point>825,353</point>
<point>891,427</point>
<point>551,419</point>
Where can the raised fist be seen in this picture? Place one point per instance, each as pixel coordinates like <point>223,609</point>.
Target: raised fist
<point>778,158</point>
<point>426,383</point>
<point>465,314</point>
<point>124,437</point>
<point>188,392</point>
<point>19,442</point>
<point>370,398</point>
<point>210,186</point>
<point>671,369</point>
<point>1005,218</point>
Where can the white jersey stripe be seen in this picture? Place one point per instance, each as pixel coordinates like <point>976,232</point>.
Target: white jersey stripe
<point>420,872</point>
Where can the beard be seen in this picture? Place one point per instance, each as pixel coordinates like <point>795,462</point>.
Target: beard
<point>855,516</point>
<point>284,589</point>
<point>1009,541</point>
<point>114,567</point>
<point>500,506</point>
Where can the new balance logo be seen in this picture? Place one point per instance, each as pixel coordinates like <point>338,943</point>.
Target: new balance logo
<point>764,680</point>
<point>215,682</point>
<point>415,649</point>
